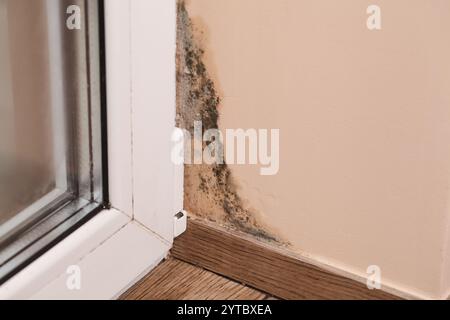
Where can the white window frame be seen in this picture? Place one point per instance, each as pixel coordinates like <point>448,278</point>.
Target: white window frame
<point>118,246</point>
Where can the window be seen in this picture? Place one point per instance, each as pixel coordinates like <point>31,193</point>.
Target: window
<point>52,124</point>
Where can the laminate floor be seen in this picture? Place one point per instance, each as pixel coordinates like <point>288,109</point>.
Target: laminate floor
<point>176,280</point>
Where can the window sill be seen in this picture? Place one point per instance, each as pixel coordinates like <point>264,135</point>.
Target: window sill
<point>112,253</point>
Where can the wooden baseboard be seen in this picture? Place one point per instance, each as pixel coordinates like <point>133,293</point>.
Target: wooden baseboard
<point>258,266</point>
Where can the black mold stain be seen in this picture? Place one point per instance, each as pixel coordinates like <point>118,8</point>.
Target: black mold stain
<point>195,89</point>
<point>198,100</point>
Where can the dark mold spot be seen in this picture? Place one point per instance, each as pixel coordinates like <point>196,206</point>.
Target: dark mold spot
<point>209,189</point>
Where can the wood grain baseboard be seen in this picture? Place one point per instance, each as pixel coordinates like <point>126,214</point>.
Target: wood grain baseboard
<point>257,265</point>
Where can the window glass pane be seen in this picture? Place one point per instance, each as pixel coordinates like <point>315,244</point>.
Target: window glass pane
<point>28,165</point>
<point>50,120</point>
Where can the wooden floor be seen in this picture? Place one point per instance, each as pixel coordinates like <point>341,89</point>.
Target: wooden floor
<point>177,280</point>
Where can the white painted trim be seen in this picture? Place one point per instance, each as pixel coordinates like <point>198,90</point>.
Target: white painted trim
<point>141,44</point>
<point>153,46</point>
<point>112,252</point>
<point>53,263</point>
<point>178,188</point>
<point>118,66</point>
<point>111,268</point>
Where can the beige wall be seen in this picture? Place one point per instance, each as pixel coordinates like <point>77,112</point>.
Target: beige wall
<point>365,127</point>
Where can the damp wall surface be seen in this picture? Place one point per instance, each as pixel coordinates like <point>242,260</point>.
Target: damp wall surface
<point>364,119</point>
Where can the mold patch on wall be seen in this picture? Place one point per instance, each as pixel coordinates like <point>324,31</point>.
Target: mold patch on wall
<point>210,190</point>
